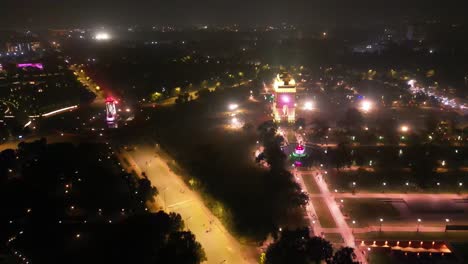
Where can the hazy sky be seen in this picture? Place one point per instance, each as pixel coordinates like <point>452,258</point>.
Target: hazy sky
<point>56,13</point>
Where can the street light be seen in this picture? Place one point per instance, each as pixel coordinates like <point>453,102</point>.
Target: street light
<point>419,222</point>
<point>354,223</point>
<point>233,106</point>
<point>366,106</point>
<point>308,106</point>
<point>381,221</point>
<point>404,128</point>
<point>102,36</point>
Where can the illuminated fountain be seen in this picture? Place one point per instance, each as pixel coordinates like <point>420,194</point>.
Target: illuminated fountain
<point>299,151</point>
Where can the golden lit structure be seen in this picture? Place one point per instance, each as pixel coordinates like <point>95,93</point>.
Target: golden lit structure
<point>284,104</point>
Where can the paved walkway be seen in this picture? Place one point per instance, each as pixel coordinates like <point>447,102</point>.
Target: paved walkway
<point>175,196</point>
<point>314,223</point>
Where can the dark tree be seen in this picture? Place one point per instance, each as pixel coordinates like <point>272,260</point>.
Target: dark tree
<point>182,248</point>
<point>344,255</point>
<point>342,155</point>
<point>388,128</point>
<point>353,119</point>
<point>146,190</point>
<point>296,246</point>
<point>423,164</point>
<point>319,249</point>
<point>431,123</point>
<point>150,238</point>
<point>321,127</point>
<point>272,142</point>
<point>300,122</point>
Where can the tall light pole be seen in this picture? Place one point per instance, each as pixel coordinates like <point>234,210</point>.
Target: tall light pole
<point>419,222</point>
<point>354,223</point>
<point>381,221</point>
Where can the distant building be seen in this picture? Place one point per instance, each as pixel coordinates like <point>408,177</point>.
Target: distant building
<point>415,33</point>
<point>22,46</point>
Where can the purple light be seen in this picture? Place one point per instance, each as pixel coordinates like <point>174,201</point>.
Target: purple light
<point>33,65</point>
<point>285,99</point>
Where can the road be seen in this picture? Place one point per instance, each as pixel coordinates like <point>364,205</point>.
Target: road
<point>404,196</point>
<point>342,226</point>
<point>175,196</point>
<point>340,221</point>
<point>314,224</point>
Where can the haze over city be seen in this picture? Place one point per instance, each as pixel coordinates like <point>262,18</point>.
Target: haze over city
<point>86,13</point>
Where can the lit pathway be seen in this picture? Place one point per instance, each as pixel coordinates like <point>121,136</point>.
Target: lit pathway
<point>335,211</point>
<point>314,223</point>
<point>220,246</point>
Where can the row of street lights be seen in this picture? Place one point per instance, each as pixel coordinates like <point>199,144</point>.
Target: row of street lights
<point>419,221</point>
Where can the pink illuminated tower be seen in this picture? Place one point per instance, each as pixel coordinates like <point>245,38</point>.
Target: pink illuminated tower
<point>284,105</point>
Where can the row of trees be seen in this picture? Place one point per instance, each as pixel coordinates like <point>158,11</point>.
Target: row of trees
<point>276,159</point>
<point>298,247</point>
<point>88,211</point>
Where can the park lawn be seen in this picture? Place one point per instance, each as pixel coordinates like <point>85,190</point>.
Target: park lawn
<point>453,236</point>
<point>310,184</point>
<point>335,238</point>
<point>367,211</point>
<point>323,213</point>
<point>379,257</point>
<point>460,249</point>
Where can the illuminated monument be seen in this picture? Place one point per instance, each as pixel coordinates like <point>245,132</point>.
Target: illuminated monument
<point>284,104</point>
<point>111,111</point>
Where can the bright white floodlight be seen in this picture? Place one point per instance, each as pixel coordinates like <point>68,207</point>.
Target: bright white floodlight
<point>233,106</point>
<point>308,106</point>
<point>102,36</point>
<point>366,106</point>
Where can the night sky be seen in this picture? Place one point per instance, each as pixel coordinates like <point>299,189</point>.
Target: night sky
<point>62,13</point>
